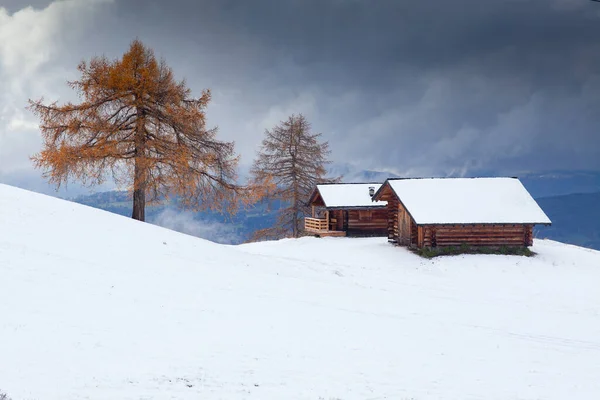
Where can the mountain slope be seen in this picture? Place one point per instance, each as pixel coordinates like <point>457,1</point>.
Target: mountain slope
<point>575,219</point>
<point>560,183</point>
<point>97,306</point>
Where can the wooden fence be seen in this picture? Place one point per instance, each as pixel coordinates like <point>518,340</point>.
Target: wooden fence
<point>315,224</point>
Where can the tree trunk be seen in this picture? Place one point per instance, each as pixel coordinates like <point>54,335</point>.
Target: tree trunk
<point>139,193</point>
<point>139,173</point>
<point>295,227</point>
<point>293,153</point>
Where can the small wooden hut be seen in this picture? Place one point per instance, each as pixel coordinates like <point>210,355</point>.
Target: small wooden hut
<point>430,212</point>
<point>346,209</point>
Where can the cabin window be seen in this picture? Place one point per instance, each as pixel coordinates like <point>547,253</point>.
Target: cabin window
<point>365,215</point>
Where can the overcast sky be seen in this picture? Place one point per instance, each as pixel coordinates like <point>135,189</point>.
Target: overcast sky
<point>420,88</point>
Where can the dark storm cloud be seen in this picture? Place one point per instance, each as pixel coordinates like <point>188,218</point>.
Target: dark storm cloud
<point>418,87</point>
<point>375,39</point>
<point>433,86</point>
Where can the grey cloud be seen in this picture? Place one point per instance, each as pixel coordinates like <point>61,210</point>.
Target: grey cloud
<point>34,44</point>
<point>429,87</point>
<point>414,87</point>
<point>16,5</point>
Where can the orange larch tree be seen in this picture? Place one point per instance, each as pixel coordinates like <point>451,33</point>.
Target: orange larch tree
<point>138,126</point>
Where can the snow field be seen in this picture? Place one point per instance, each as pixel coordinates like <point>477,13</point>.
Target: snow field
<point>97,306</point>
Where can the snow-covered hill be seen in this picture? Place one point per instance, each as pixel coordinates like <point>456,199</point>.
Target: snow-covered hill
<point>98,306</point>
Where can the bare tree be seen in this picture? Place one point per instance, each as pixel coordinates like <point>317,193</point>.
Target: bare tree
<point>290,162</point>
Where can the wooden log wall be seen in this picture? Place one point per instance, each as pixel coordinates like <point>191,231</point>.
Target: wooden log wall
<point>339,217</point>
<point>528,235</point>
<point>401,228</point>
<point>477,235</point>
<point>414,233</point>
<point>392,219</point>
<point>373,222</point>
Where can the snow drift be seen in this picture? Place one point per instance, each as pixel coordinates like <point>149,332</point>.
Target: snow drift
<point>98,306</point>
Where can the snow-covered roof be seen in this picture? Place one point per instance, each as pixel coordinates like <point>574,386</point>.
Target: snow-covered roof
<point>468,201</point>
<point>349,195</point>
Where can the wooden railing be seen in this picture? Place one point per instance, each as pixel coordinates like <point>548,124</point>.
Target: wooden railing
<point>315,224</point>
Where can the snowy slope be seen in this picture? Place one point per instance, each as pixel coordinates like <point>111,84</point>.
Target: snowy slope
<point>97,306</point>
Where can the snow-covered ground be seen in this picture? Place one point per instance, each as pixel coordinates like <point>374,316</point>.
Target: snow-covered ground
<point>97,306</point>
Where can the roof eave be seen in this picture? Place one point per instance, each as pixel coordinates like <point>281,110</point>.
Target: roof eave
<point>375,195</point>
<point>312,196</point>
<point>483,223</point>
<point>356,207</point>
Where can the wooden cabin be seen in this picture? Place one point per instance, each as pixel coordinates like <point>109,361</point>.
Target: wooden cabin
<point>346,209</point>
<point>431,212</point>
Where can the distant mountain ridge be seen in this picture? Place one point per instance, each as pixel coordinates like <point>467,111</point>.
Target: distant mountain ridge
<point>351,174</point>
<point>560,183</point>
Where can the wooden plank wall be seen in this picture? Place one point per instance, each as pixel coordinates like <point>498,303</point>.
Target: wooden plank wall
<point>404,226</point>
<point>477,235</point>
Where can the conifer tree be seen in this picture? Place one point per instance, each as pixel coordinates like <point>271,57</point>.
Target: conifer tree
<point>291,161</point>
<point>139,126</point>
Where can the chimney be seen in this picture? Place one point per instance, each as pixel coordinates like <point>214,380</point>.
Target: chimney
<point>371,190</point>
